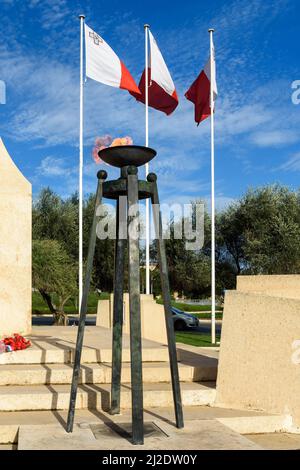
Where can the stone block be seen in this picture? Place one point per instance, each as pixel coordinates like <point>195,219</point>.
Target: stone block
<point>152,317</point>
<point>15,248</point>
<point>259,364</point>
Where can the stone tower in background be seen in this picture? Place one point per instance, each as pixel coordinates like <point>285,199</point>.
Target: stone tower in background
<point>15,248</point>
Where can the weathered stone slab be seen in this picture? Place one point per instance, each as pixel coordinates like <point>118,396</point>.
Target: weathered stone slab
<point>259,364</point>
<point>196,435</point>
<point>278,285</point>
<point>15,248</point>
<point>152,317</point>
<point>54,437</point>
<point>276,441</point>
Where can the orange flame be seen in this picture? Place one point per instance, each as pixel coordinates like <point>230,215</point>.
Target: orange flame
<point>107,141</point>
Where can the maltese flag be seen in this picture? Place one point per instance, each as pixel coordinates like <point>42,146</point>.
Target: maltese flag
<point>199,91</point>
<point>161,89</point>
<point>103,64</point>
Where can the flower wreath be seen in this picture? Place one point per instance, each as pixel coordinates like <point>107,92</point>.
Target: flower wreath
<point>16,343</point>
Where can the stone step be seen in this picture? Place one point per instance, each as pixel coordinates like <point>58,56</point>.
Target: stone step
<point>44,353</point>
<point>97,396</point>
<point>39,374</point>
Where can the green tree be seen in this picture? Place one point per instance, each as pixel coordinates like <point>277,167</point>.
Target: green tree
<point>261,232</point>
<point>189,271</point>
<point>56,219</point>
<point>54,272</point>
<point>103,273</point>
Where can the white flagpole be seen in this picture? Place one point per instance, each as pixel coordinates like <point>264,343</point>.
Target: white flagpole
<point>213,242</point>
<point>80,248</point>
<point>146,26</point>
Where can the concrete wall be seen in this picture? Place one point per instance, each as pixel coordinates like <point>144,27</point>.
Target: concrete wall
<point>259,364</point>
<point>15,248</point>
<point>287,285</point>
<point>152,317</point>
<point>104,317</point>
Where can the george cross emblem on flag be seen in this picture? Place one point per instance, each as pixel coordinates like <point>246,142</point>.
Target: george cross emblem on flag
<point>97,39</point>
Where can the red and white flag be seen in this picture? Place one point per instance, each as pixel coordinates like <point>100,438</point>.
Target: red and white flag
<point>161,89</point>
<point>103,64</point>
<point>199,91</point>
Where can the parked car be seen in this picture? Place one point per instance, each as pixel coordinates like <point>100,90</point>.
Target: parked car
<point>183,320</point>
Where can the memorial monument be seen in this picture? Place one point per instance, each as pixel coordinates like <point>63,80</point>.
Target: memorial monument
<point>128,159</point>
<point>15,248</point>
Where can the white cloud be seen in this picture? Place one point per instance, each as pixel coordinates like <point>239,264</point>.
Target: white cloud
<point>234,120</point>
<point>54,167</point>
<point>51,13</point>
<point>292,164</point>
<point>274,138</point>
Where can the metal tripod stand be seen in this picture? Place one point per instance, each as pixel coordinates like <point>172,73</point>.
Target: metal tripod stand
<point>128,185</point>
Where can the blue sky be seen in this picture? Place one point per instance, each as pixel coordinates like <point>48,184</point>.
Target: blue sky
<point>257,46</point>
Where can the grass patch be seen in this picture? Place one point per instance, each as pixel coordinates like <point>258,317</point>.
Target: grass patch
<point>191,307</point>
<point>195,338</point>
<point>39,306</point>
<point>207,316</point>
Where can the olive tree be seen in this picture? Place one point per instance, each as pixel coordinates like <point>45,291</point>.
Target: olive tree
<point>261,232</point>
<point>54,272</point>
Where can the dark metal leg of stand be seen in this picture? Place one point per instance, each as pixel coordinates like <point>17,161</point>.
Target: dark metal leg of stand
<point>135,309</point>
<point>102,175</point>
<point>167,304</point>
<point>118,312</point>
